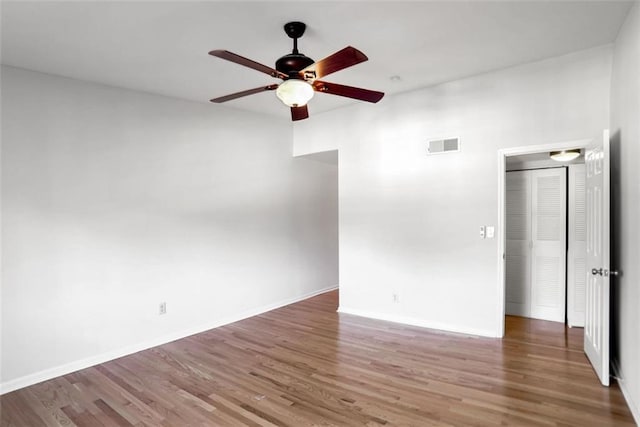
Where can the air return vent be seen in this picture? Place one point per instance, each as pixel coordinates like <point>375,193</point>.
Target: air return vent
<point>448,145</point>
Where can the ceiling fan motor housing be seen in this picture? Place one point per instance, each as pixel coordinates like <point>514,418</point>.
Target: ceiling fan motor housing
<point>292,63</point>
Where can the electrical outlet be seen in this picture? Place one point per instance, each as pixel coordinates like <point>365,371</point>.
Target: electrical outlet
<point>396,298</point>
<point>163,308</point>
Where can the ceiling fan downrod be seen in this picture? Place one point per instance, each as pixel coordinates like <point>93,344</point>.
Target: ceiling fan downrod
<point>295,30</point>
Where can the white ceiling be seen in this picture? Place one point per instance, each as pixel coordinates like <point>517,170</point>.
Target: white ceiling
<point>161,47</point>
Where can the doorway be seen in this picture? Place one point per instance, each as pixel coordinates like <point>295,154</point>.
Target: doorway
<point>528,157</point>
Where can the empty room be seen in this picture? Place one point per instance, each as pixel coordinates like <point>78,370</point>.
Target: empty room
<point>337,213</point>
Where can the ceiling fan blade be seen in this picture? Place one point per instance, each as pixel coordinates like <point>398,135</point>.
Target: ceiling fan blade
<point>340,60</point>
<point>348,91</point>
<point>230,56</point>
<point>299,113</point>
<point>243,93</point>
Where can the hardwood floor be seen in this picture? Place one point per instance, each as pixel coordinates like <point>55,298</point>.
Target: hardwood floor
<point>305,364</point>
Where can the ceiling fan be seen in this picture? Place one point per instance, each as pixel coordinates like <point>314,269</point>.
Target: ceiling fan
<point>300,75</point>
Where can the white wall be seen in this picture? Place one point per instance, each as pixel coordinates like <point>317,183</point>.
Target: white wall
<point>625,150</point>
<point>114,200</point>
<point>409,222</point>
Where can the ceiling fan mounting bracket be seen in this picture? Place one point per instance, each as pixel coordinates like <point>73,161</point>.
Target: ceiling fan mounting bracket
<point>295,29</point>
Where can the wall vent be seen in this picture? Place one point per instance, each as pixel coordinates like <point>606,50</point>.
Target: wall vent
<point>447,145</point>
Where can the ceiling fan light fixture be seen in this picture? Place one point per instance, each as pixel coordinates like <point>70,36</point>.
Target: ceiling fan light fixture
<point>294,92</point>
<point>565,155</point>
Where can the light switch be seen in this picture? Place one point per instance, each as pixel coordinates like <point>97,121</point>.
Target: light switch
<point>491,231</point>
<point>482,232</point>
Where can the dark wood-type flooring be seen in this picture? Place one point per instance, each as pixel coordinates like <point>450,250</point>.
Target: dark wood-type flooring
<point>305,364</point>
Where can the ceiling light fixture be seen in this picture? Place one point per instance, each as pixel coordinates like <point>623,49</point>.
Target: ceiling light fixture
<point>565,155</point>
<point>294,92</point>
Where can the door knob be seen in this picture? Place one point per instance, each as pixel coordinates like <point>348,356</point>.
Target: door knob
<point>596,271</point>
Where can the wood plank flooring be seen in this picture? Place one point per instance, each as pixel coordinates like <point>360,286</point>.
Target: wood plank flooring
<point>305,364</point>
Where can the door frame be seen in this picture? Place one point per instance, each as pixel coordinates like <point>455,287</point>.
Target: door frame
<point>500,232</point>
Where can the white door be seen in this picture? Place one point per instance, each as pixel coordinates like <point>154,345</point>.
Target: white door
<point>536,243</point>
<point>577,247</point>
<point>548,235</point>
<point>596,328</point>
<point>518,243</point>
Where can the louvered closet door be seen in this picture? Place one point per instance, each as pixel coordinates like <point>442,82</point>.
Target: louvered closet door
<point>518,237</point>
<point>577,255</point>
<point>548,232</point>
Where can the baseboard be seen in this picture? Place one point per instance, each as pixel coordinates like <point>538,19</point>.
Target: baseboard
<point>57,371</point>
<point>419,322</point>
<point>635,410</point>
